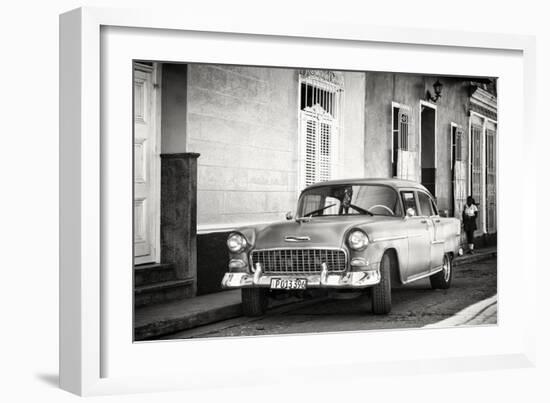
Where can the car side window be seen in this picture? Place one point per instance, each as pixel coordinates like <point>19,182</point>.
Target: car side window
<point>426,207</point>
<point>409,202</point>
<point>436,211</point>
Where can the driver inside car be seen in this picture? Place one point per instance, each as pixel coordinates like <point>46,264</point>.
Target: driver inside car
<point>346,200</point>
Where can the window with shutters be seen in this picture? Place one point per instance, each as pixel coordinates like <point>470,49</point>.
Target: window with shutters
<point>320,105</point>
<point>458,172</point>
<point>457,136</point>
<point>400,132</point>
<point>491,180</point>
<point>476,168</point>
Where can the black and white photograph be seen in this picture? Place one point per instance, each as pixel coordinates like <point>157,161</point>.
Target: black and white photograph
<point>315,201</point>
<point>272,201</point>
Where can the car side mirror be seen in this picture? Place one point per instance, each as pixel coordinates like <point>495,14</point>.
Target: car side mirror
<point>289,216</point>
<point>410,212</point>
<point>444,213</point>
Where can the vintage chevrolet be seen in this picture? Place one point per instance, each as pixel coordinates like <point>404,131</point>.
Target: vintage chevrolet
<point>346,234</point>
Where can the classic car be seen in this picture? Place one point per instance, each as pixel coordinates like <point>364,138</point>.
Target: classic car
<point>345,235</point>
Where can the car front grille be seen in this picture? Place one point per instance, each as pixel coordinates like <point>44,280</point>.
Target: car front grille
<point>305,261</point>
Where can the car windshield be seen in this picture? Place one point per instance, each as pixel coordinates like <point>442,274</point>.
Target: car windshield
<point>349,200</point>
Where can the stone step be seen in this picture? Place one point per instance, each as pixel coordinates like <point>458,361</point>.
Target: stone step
<point>161,292</point>
<point>153,273</point>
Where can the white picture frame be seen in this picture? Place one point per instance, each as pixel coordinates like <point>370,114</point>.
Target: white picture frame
<point>97,355</point>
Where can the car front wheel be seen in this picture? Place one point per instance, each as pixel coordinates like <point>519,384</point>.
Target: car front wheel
<point>442,279</point>
<point>254,301</point>
<point>381,292</point>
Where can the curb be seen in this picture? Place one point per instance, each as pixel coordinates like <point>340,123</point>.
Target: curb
<point>157,329</point>
<point>470,315</point>
<point>160,328</point>
<point>467,259</point>
<point>203,331</point>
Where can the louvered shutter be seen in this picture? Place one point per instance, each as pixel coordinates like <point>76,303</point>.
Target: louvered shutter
<point>403,122</point>
<point>320,104</point>
<point>460,173</point>
<point>319,150</point>
<point>491,180</point>
<point>476,168</point>
<point>310,149</point>
<point>405,158</point>
<point>325,151</point>
<point>459,142</point>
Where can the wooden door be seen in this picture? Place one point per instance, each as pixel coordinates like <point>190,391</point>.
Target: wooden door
<point>490,159</point>
<point>428,146</point>
<point>146,166</point>
<point>458,171</point>
<point>476,167</point>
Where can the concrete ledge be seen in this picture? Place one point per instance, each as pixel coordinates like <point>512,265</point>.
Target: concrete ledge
<point>153,321</point>
<point>479,255</point>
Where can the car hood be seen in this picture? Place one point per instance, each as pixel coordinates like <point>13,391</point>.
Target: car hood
<point>317,232</point>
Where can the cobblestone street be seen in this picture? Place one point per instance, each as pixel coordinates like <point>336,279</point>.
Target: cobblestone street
<point>414,306</point>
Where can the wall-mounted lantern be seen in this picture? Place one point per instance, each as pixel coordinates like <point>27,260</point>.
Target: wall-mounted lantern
<point>437,90</point>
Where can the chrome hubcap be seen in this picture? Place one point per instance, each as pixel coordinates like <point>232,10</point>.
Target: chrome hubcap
<point>446,269</point>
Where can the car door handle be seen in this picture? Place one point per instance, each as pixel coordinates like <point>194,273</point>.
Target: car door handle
<point>423,221</point>
<point>437,220</point>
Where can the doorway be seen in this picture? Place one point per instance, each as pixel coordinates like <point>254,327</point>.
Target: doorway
<point>490,176</point>
<point>428,145</point>
<point>146,164</point>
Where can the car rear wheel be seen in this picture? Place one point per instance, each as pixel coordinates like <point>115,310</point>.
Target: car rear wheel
<point>381,292</point>
<point>254,301</point>
<point>442,279</point>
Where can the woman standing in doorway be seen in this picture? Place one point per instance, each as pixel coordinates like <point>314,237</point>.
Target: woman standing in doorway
<point>469,217</point>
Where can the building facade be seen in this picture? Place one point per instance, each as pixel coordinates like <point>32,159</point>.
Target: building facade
<point>248,139</point>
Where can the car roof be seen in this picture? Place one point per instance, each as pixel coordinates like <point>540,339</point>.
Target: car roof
<point>392,182</point>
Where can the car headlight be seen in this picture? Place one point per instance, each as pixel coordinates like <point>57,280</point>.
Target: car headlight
<point>357,240</point>
<point>236,242</point>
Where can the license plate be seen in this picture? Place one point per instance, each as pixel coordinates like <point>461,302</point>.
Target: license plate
<point>288,283</point>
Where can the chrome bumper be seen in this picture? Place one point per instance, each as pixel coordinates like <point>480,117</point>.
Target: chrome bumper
<point>355,279</point>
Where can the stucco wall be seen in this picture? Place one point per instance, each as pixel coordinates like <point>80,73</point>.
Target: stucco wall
<point>243,122</point>
<point>409,90</point>
<point>352,139</point>
<point>378,125</point>
<point>451,107</point>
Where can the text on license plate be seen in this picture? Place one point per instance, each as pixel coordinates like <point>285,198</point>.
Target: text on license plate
<point>288,283</point>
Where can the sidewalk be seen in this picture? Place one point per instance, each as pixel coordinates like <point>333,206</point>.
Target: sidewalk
<point>479,254</point>
<point>158,320</point>
<point>481,313</point>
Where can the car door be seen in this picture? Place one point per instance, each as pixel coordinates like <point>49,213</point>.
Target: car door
<point>433,220</point>
<point>418,234</point>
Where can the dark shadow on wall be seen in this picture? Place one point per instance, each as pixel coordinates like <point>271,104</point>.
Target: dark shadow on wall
<point>212,261</point>
<point>485,240</point>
